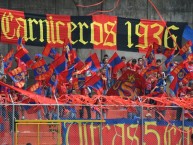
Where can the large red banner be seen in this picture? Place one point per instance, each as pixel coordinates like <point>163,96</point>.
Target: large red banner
<point>127,134</point>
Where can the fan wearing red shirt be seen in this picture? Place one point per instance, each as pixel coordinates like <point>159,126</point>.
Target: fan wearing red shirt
<point>133,65</point>
<point>104,78</point>
<point>140,64</point>
<point>125,68</point>
<point>182,90</point>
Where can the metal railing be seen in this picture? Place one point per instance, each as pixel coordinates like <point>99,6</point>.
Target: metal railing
<point>104,125</point>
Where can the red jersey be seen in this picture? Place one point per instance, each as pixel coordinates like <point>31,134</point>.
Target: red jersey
<point>183,91</point>
<point>124,69</point>
<point>134,67</point>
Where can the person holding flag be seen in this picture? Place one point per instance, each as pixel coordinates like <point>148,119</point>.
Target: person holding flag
<point>2,88</point>
<point>133,65</point>
<point>171,66</point>
<point>124,69</point>
<point>2,71</point>
<point>116,64</point>
<point>107,68</point>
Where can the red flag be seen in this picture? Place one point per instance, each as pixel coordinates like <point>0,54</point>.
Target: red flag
<point>150,55</point>
<point>84,69</point>
<point>169,54</point>
<point>177,69</point>
<point>66,75</point>
<point>49,51</point>
<point>185,49</point>
<point>130,84</point>
<point>95,62</point>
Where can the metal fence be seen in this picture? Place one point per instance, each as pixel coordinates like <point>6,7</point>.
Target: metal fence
<point>94,125</point>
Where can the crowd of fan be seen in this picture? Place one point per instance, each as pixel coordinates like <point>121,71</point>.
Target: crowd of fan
<point>156,84</point>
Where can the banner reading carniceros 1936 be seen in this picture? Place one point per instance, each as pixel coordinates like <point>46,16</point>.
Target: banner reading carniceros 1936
<point>97,31</point>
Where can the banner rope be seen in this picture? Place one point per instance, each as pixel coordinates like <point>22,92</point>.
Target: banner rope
<point>92,5</point>
<point>106,11</point>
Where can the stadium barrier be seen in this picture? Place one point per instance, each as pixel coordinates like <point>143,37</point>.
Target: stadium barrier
<point>94,125</point>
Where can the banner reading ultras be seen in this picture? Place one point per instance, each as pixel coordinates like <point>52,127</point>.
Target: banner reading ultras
<point>97,32</point>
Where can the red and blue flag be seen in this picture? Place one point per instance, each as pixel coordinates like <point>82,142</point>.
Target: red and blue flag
<point>180,71</point>
<point>53,81</point>
<point>95,62</point>
<point>169,54</point>
<point>174,86</point>
<point>116,63</point>
<point>185,49</point>
<point>66,75</point>
<point>59,64</point>
<point>96,83</point>
<point>78,83</point>
<point>78,63</point>
<point>150,55</point>
<point>22,54</point>
<point>50,52</point>
<point>40,69</point>
<point>37,88</point>
<point>18,76</point>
